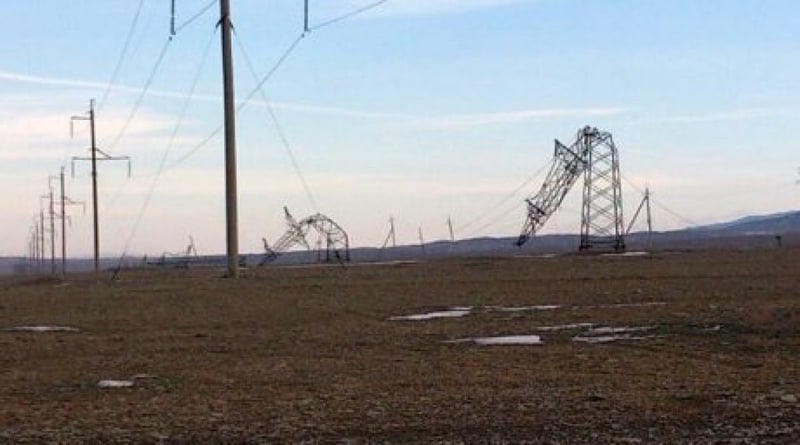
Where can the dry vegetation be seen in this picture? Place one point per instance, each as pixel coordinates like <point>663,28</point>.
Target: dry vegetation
<point>310,354</point>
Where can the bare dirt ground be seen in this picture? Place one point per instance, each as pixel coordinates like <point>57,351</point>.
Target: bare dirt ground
<point>312,354</point>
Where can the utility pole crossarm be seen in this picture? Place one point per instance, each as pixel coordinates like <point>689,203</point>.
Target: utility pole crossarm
<point>93,159</point>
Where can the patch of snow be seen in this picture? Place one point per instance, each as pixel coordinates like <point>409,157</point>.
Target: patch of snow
<point>563,327</point>
<point>113,384</point>
<point>619,330</point>
<point>501,340</point>
<point>453,313</point>
<point>545,307</point>
<point>625,254</point>
<point>608,338</point>
<point>509,340</point>
<point>621,305</point>
<point>41,329</point>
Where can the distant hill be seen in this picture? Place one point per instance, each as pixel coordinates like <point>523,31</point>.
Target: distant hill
<point>775,223</point>
<point>759,231</point>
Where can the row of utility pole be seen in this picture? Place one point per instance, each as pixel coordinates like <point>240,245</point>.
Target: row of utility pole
<point>37,247</point>
<point>37,240</point>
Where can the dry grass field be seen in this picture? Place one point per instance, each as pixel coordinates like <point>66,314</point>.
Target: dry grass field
<point>312,353</point>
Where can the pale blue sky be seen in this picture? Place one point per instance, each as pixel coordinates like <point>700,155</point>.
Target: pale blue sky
<point>421,109</point>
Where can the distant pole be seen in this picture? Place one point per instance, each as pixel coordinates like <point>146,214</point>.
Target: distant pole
<point>95,212</point>
<point>649,217</point>
<point>63,226</point>
<point>42,255</point>
<point>36,243</point>
<point>394,236</point>
<point>450,227</point>
<point>52,235</point>
<point>230,142</point>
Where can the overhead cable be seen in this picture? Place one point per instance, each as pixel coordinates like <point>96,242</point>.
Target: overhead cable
<point>348,15</point>
<point>122,54</point>
<point>170,144</point>
<point>278,127</point>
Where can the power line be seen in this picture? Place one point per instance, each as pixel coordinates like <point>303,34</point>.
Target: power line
<point>170,144</point>
<point>143,93</point>
<point>284,56</point>
<point>659,204</point>
<point>244,103</point>
<point>504,200</point>
<point>122,54</point>
<point>281,133</point>
<point>196,16</point>
<point>348,15</point>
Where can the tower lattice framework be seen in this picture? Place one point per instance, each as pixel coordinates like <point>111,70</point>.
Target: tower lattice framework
<point>602,223</point>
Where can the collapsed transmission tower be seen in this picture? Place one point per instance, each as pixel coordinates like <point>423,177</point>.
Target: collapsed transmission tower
<point>334,245</point>
<point>593,155</point>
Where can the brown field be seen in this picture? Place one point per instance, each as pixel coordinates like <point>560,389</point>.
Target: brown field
<point>310,354</point>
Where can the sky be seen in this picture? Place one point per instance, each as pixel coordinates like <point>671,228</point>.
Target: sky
<point>420,110</point>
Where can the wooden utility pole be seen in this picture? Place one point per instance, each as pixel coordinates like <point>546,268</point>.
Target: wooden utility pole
<point>52,232</point>
<point>94,159</point>
<point>63,226</point>
<point>41,235</point>
<point>649,218</point>
<point>231,223</point>
<point>450,227</point>
<point>65,201</point>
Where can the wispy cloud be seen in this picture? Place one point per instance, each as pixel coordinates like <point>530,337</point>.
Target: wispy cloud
<point>447,121</point>
<point>427,7</point>
<point>736,115</point>
<point>518,116</point>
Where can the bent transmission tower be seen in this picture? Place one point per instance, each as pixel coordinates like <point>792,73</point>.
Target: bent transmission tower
<point>593,155</point>
<point>333,239</point>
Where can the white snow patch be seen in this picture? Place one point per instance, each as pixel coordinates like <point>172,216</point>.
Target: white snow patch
<point>41,329</point>
<point>564,327</point>
<point>112,384</point>
<point>621,305</point>
<point>501,340</point>
<point>618,330</point>
<point>608,338</point>
<point>509,340</point>
<point>544,307</point>
<point>626,254</point>
<point>453,313</point>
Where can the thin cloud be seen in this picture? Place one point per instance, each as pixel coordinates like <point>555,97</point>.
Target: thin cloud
<point>430,7</point>
<point>726,116</point>
<point>518,116</point>
<point>453,121</point>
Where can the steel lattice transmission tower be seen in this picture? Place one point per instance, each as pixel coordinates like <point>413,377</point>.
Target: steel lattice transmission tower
<point>593,155</point>
<point>602,224</point>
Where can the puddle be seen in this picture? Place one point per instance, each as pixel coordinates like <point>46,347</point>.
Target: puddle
<point>564,327</point>
<point>113,384</point>
<point>501,340</point>
<point>451,313</point>
<point>41,329</point>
